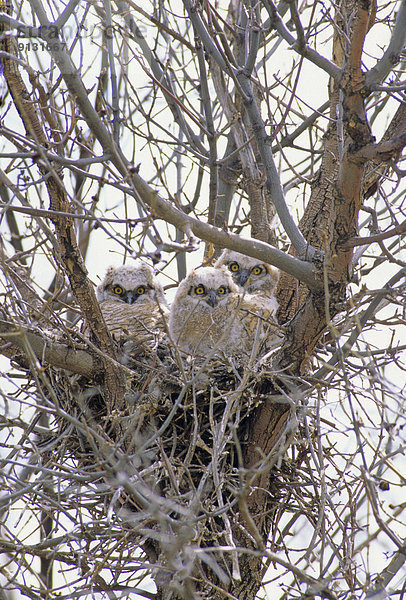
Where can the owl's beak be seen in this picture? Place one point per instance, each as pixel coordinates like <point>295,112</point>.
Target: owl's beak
<point>130,298</point>
<point>211,298</point>
<point>243,277</point>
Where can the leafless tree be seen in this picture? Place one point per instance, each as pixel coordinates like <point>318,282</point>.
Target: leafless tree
<point>167,131</point>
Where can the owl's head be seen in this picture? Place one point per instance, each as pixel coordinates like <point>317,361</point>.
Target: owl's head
<point>130,284</point>
<point>207,285</point>
<point>249,273</point>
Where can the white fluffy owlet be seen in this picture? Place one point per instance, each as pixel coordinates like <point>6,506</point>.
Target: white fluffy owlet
<point>133,304</point>
<point>251,275</point>
<point>209,314</point>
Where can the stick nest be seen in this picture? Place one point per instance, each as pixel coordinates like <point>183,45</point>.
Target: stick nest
<point>169,461</point>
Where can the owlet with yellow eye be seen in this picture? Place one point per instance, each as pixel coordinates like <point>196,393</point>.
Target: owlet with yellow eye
<point>210,316</point>
<point>133,304</point>
<point>250,274</point>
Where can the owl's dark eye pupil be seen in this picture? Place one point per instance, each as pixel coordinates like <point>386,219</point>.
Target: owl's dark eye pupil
<point>222,290</point>
<point>234,267</point>
<point>200,289</point>
<point>141,290</point>
<point>257,270</point>
<point>118,290</point>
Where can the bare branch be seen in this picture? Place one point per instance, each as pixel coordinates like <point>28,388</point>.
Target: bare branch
<point>272,181</point>
<point>160,76</point>
<point>379,237</point>
<point>391,55</point>
<point>381,152</point>
<point>362,320</point>
<point>275,22</point>
<point>50,351</point>
<point>113,74</point>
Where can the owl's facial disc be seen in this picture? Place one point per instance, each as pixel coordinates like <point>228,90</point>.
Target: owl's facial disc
<point>201,292</point>
<point>129,296</point>
<point>214,296</point>
<point>207,295</point>
<point>133,295</point>
<point>246,274</point>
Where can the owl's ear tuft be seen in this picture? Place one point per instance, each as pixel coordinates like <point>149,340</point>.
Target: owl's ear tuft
<point>109,272</point>
<point>107,280</point>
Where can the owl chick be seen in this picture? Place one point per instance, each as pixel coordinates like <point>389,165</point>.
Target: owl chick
<point>133,304</point>
<point>209,314</point>
<point>250,274</point>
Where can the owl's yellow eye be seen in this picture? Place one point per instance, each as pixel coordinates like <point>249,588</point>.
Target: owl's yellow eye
<point>200,290</point>
<point>257,270</point>
<point>222,290</point>
<point>118,290</point>
<point>140,290</point>
<point>234,267</point>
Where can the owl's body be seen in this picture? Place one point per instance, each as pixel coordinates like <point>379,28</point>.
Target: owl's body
<point>258,323</point>
<point>257,281</point>
<point>133,304</point>
<point>210,315</point>
<point>250,274</point>
<point>201,310</point>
